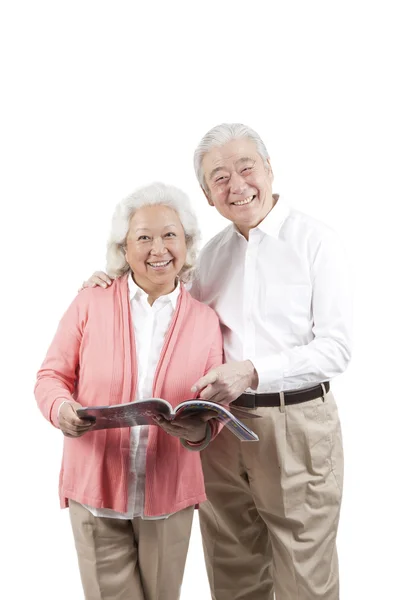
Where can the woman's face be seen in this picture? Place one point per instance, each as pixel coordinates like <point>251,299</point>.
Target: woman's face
<point>156,248</point>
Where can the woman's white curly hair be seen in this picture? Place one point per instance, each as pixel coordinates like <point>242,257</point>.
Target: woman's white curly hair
<point>154,194</point>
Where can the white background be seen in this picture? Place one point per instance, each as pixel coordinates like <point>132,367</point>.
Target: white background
<point>99,98</point>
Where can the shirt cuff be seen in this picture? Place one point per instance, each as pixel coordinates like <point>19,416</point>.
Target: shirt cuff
<point>270,372</point>
<point>197,446</point>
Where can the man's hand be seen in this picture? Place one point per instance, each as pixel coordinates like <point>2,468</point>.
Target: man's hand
<point>98,278</point>
<point>191,428</point>
<point>227,382</point>
<point>70,424</point>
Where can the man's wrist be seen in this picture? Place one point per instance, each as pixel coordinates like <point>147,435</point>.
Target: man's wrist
<point>253,375</point>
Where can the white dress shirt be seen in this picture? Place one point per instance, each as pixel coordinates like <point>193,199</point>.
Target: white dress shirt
<point>283,298</point>
<point>150,323</point>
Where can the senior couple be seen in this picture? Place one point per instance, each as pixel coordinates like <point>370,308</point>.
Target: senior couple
<point>275,283</point>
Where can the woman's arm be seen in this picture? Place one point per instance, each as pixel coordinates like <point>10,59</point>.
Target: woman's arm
<point>215,359</point>
<point>196,431</point>
<point>57,376</point>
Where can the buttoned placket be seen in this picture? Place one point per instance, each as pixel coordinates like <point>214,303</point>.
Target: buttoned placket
<point>148,318</point>
<point>140,439</point>
<point>250,265</point>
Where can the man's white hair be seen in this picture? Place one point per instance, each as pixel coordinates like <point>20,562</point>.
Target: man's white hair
<point>221,135</point>
<point>154,194</point>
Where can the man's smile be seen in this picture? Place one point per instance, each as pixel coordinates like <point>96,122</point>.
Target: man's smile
<point>245,201</point>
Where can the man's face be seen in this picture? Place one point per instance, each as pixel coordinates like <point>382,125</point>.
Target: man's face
<point>239,183</point>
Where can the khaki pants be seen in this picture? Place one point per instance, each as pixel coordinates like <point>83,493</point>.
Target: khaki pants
<point>131,560</point>
<point>272,514</point>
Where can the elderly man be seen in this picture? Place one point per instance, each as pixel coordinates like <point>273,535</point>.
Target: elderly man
<point>278,281</point>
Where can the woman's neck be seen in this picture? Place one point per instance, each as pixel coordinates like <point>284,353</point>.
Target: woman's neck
<point>155,291</point>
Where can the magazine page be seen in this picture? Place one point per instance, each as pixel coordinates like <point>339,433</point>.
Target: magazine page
<point>126,415</point>
<point>237,427</point>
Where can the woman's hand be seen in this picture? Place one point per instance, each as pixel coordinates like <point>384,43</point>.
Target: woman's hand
<point>192,428</point>
<point>70,424</point>
<point>98,278</point>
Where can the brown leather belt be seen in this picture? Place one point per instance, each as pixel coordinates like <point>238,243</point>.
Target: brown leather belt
<point>247,400</point>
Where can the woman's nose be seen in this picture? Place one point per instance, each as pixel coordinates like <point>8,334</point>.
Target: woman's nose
<point>158,246</point>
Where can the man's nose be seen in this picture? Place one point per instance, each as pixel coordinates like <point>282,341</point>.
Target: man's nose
<point>238,184</point>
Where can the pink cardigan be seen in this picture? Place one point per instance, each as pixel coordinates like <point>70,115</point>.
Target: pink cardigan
<point>92,360</point>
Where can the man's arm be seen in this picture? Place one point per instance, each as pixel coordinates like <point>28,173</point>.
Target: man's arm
<point>326,356</point>
<point>227,382</point>
<point>98,278</point>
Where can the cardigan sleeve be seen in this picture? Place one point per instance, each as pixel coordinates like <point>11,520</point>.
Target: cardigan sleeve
<point>215,359</point>
<point>216,353</point>
<point>56,378</point>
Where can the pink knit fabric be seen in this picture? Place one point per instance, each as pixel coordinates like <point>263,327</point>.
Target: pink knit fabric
<point>92,360</point>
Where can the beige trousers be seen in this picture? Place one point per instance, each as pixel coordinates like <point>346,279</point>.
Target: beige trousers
<point>272,514</point>
<point>131,560</point>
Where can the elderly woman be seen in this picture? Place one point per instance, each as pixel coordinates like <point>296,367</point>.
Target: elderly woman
<point>131,492</point>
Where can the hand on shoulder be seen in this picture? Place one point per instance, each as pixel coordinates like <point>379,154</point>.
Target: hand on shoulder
<point>99,278</point>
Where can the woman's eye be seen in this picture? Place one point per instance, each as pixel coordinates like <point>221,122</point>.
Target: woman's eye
<point>246,169</point>
<point>143,238</point>
<point>170,234</point>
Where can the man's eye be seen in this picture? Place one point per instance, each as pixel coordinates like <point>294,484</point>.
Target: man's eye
<point>220,179</point>
<point>246,169</point>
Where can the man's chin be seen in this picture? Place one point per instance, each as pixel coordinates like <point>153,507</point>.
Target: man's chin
<point>249,220</point>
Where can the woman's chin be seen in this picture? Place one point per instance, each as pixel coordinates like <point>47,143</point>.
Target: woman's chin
<point>164,278</point>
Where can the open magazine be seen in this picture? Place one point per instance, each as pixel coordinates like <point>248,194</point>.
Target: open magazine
<point>141,412</point>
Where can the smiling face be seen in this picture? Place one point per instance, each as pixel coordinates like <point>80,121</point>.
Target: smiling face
<point>156,249</point>
<point>239,183</point>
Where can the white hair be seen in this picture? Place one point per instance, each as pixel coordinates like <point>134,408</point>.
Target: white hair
<point>154,194</point>
<point>221,135</point>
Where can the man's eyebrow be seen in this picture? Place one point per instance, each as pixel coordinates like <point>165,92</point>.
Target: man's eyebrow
<point>215,171</point>
<point>240,161</point>
<point>245,159</point>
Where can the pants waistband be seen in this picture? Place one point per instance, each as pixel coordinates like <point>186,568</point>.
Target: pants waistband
<point>247,400</point>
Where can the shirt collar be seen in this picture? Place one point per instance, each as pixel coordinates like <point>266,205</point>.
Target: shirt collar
<point>136,291</point>
<point>276,217</point>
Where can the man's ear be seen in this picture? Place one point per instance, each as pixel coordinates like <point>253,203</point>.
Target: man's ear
<point>269,170</point>
<point>210,202</point>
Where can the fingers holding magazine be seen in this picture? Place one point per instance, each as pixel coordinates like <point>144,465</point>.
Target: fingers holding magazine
<point>192,428</point>
<point>142,412</point>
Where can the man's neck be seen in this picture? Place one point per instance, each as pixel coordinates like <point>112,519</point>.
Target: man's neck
<point>245,230</point>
